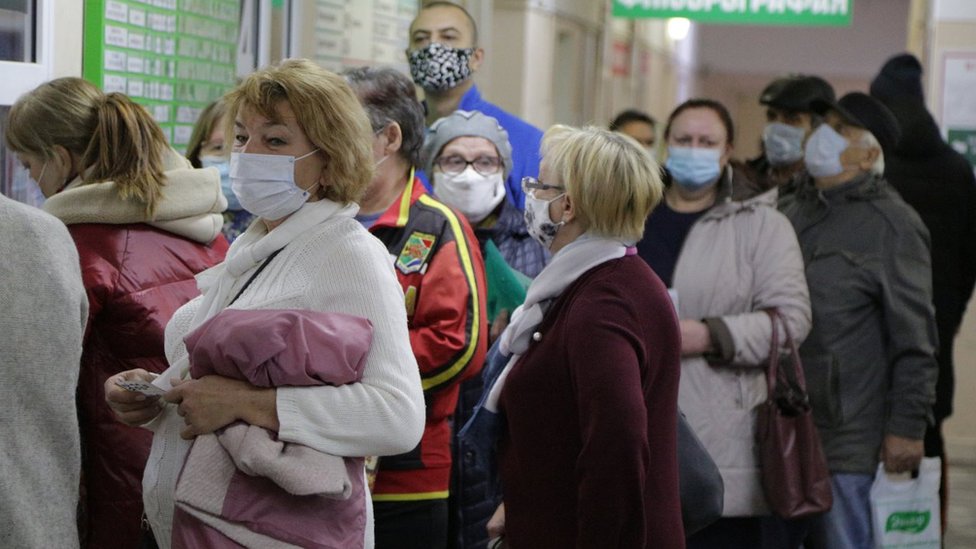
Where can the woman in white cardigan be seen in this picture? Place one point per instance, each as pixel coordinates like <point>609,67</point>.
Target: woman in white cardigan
<point>302,158</point>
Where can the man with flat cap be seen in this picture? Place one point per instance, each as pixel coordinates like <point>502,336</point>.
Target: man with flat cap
<point>789,121</point>
<point>870,359</point>
<point>938,183</point>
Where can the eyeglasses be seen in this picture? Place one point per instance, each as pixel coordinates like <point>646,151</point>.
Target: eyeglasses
<point>455,164</point>
<point>531,184</point>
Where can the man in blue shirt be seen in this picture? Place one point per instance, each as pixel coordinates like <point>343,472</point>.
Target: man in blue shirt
<point>443,55</point>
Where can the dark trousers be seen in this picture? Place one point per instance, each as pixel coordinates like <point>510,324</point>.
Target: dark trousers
<point>728,533</point>
<point>410,524</point>
<point>769,532</point>
<point>935,447</point>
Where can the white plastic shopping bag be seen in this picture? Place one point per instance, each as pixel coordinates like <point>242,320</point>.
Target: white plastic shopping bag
<point>905,513</point>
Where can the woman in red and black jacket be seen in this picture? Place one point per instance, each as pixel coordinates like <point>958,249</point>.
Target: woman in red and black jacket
<point>145,223</point>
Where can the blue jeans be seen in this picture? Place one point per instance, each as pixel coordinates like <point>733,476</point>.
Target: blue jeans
<point>848,523</point>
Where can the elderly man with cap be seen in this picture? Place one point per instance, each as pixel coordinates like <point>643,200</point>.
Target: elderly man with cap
<point>468,157</point>
<point>790,119</point>
<point>938,182</point>
<point>440,269</point>
<point>870,358</point>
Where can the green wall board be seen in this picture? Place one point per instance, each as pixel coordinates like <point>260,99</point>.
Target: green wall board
<point>172,56</point>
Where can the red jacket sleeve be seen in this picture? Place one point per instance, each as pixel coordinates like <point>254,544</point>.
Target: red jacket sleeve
<point>98,273</point>
<point>448,330</point>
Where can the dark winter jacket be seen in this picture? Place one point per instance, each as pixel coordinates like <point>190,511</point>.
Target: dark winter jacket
<point>938,183</point>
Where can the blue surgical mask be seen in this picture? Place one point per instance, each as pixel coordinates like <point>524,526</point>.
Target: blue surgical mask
<point>823,150</point>
<point>223,166</point>
<point>783,143</point>
<point>693,168</point>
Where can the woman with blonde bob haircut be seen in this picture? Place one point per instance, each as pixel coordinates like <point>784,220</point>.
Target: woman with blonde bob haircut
<point>586,160</point>
<point>301,157</point>
<point>589,385</point>
<point>144,223</point>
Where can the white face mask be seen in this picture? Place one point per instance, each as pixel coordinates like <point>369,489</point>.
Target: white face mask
<point>537,221</point>
<point>265,184</point>
<point>475,195</point>
<point>823,150</point>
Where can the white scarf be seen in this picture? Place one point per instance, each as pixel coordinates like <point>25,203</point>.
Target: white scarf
<point>569,263</point>
<point>220,283</point>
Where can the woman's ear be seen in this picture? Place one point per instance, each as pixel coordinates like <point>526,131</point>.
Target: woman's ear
<point>66,163</point>
<point>568,207</point>
<point>726,155</point>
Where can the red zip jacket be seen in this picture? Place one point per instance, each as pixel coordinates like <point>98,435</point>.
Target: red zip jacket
<point>440,268</point>
<point>136,276</point>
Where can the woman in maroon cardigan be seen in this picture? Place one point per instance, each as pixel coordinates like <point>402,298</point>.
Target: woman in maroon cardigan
<point>589,396</point>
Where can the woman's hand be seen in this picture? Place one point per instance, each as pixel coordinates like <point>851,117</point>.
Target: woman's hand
<point>212,402</point>
<point>498,326</point>
<point>496,524</point>
<point>695,338</point>
<point>130,407</point>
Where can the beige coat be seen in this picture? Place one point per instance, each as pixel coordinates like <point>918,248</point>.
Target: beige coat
<point>738,259</point>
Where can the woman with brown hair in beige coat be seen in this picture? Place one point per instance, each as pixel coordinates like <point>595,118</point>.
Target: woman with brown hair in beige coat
<point>725,262</point>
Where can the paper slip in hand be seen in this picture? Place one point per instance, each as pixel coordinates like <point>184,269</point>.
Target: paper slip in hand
<point>147,389</point>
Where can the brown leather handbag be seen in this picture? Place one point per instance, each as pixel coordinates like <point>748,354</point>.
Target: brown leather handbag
<point>794,471</point>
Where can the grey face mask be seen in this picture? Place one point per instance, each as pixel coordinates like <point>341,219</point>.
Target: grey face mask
<point>783,143</point>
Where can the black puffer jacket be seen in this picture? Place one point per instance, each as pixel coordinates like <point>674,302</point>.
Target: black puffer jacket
<point>938,183</point>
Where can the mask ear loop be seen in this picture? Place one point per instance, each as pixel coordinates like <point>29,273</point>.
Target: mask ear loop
<point>306,155</point>
<point>562,220</point>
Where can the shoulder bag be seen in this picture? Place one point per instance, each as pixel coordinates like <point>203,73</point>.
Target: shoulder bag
<point>794,471</point>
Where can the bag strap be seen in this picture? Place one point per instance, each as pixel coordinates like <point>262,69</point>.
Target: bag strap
<point>772,365</point>
<point>772,371</point>
<point>255,275</point>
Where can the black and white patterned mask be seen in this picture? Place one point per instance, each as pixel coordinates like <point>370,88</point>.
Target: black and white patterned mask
<point>437,67</point>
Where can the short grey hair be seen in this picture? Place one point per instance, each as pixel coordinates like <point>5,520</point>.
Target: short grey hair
<point>870,141</point>
<point>389,96</point>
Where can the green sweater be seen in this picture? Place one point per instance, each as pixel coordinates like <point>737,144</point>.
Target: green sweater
<point>506,286</point>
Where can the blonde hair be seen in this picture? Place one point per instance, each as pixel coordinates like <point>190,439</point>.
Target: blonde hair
<point>327,111</point>
<point>116,139</point>
<point>613,181</point>
<point>206,122</point>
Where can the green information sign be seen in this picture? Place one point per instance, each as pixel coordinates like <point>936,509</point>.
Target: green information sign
<point>172,56</point>
<point>964,142</point>
<point>802,13</point>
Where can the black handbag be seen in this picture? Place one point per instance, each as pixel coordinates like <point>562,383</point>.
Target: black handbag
<point>699,481</point>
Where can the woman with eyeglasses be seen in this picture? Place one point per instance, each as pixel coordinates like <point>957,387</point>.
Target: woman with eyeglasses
<point>207,148</point>
<point>301,160</point>
<point>726,262</point>
<point>468,157</point>
<point>586,405</point>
